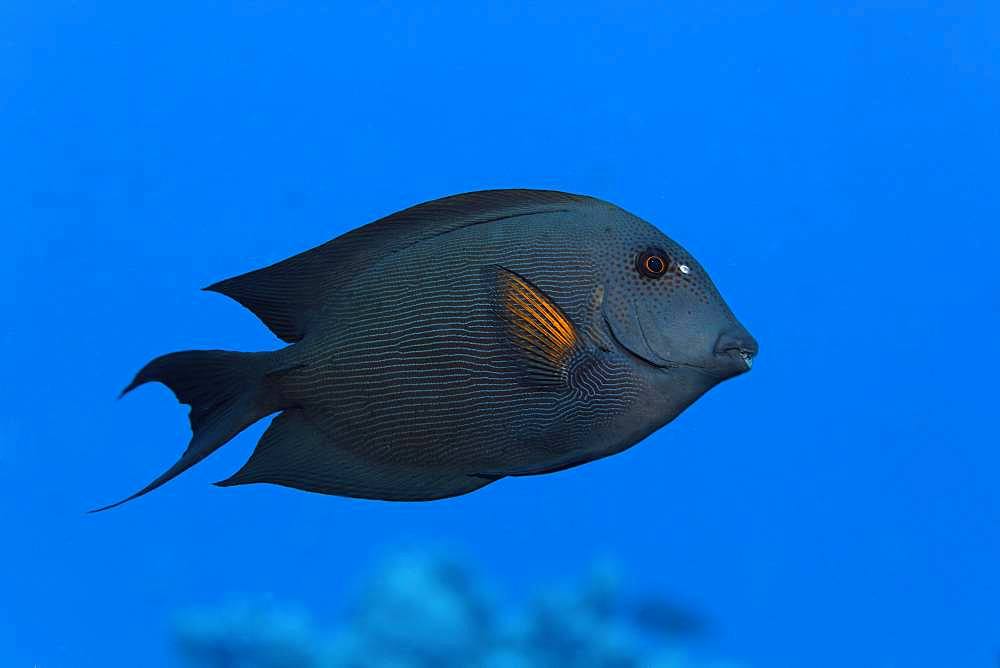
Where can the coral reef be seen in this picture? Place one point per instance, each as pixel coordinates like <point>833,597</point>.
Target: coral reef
<point>427,610</point>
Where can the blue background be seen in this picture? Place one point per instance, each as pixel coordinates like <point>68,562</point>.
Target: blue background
<point>834,168</point>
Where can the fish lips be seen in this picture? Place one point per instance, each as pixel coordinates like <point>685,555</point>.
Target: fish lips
<point>733,362</point>
<point>737,348</point>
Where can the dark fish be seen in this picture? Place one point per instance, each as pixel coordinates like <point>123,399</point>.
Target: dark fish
<point>484,335</point>
<point>660,616</point>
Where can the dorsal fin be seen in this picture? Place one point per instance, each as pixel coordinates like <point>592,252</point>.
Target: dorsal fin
<point>285,295</point>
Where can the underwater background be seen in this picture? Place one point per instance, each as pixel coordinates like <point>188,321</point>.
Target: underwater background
<point>833,165</point>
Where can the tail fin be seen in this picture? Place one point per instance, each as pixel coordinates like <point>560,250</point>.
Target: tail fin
<point>227,392</point>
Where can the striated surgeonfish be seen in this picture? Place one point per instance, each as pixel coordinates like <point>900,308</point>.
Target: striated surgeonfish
<point>457,342</point>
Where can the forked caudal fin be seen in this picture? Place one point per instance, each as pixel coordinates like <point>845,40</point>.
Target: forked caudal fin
<point>227,392</point>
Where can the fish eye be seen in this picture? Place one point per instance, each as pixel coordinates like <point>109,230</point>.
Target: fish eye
<point>652,263</point>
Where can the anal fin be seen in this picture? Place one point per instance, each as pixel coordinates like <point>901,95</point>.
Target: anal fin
<point>294,453</point>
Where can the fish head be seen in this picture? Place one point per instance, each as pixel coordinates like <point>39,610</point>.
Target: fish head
<point>662,307</point>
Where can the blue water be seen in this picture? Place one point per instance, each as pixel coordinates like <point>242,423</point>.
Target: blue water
<point>834,168</point>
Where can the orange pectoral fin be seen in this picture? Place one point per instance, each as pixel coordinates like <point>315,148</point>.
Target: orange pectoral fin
<point>536,325</point>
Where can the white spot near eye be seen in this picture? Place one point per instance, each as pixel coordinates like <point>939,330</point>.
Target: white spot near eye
<point>684,269</point>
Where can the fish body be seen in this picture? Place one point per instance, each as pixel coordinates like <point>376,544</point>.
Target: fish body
<point>479,336</point>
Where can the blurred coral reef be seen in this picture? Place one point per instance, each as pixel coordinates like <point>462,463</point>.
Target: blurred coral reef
<point>427,610</point>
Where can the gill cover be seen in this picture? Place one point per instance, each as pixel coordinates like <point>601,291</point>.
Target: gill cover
<point>628,326</point>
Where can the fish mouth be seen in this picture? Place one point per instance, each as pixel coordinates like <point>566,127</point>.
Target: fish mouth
<point>745,357</point>
<point>737,349</point>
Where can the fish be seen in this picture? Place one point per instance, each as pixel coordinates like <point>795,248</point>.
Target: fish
<point>661,616</point>
<point>476,337</point>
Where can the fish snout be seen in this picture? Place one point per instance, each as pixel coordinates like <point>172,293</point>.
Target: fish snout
<point>736,349</point>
